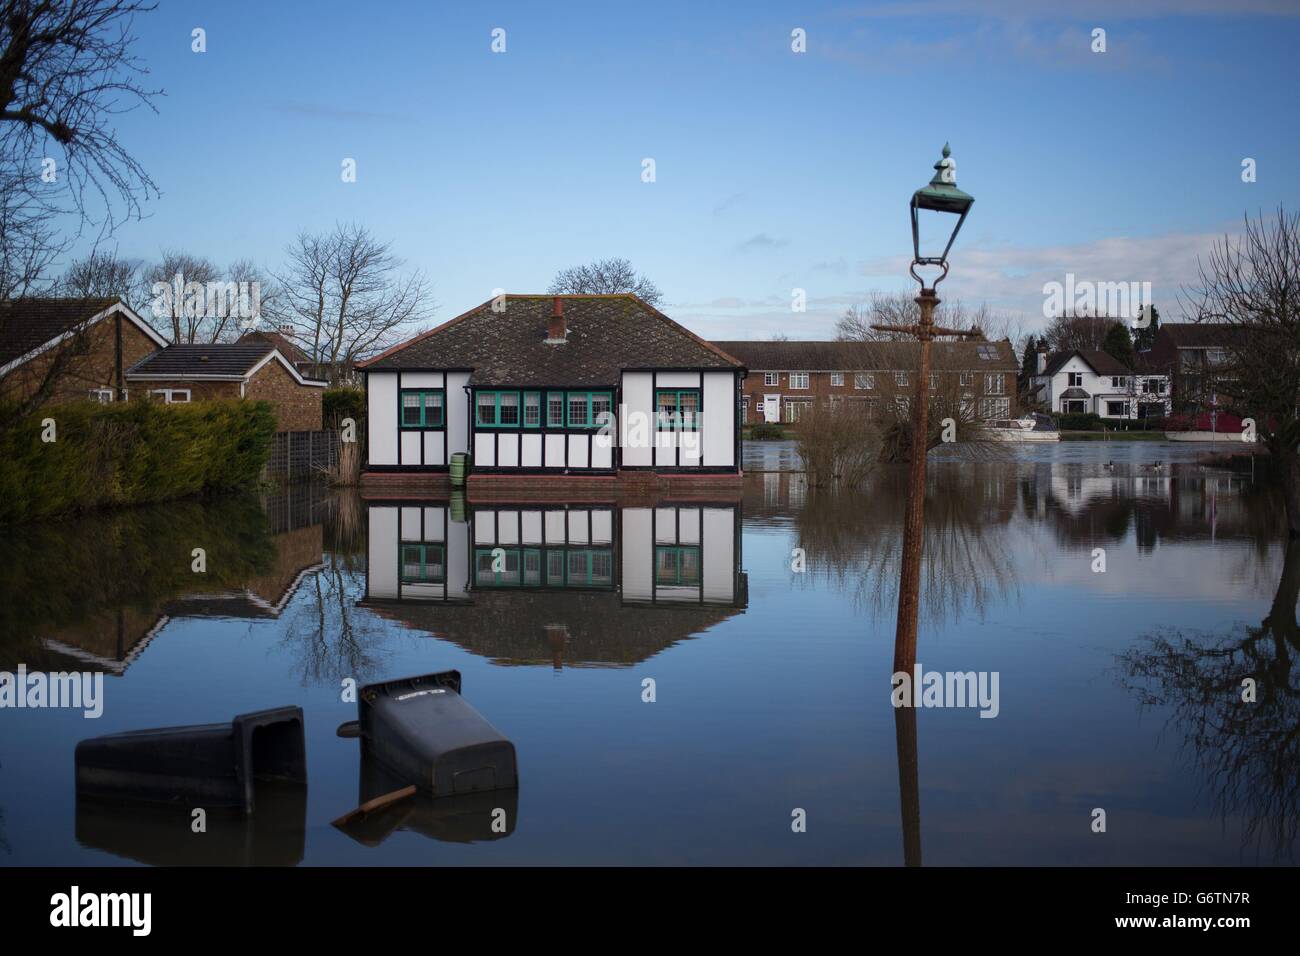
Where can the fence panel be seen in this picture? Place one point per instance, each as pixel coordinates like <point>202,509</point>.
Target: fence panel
<point>300,456</point>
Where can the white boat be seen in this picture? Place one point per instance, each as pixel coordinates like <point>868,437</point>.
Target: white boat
<point>1019,429</point>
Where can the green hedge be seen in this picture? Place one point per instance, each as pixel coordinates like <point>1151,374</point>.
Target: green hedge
<point>1079,422</point>
<point>129,453</point>
<point>766,431</point>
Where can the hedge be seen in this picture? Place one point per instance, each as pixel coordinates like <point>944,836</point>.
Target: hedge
<point>129,453</point>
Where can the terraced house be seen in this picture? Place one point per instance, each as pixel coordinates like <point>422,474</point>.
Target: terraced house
<point>576,384</point>
<point>786,378</point>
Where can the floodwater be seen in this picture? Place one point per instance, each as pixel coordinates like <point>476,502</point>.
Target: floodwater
<point>1118,689</point>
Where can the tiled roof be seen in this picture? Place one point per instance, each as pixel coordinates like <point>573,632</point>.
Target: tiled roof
<point>839,356</point>
<point>181,361</point>
<point>27,324</point>
<point>606,334</point>
<point>1103,363</point>
<point>281,341</point>
<point>1197,335</point>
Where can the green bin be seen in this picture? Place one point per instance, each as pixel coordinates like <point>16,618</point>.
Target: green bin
<point>459,468</point>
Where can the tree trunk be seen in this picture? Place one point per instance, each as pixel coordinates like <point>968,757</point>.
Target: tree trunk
<point>1289,471</point>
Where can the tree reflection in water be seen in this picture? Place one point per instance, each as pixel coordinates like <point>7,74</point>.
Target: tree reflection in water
<point>854,539</point>
<point>1249,752</point>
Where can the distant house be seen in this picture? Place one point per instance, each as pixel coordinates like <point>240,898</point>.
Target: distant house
<point>256,370</point>
<point>584,384</point>
<point>786,378</point>
<point>1195,357</point>
<point>1089,381</point>
<point>283,339</point>
<point>81,346</point>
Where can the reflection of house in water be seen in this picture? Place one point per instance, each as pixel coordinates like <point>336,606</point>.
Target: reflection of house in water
<point>533,583</point>
<point>112,638</point>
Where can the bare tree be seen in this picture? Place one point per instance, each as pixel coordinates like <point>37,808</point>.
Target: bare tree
<point>179,315</point>
<point>102,275</point>
<point>346,296</point>
<point>900,308</point>
<point>1071,331</point>
<point>65,71</point>
<point>605,277</point>
<point>1251,284</point>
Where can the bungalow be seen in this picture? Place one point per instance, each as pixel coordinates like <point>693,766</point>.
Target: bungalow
<point>788,377</point>
<point>257,370</point>
<point>70,349</point>
<point>1082,381</point>
<point>587,384</point>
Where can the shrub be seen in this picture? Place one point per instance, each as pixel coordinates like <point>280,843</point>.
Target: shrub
<point>766,431</point>
<point>345,402</point>
<point>1079,422</point>
<point>129,453</point>
<point>838,443</point>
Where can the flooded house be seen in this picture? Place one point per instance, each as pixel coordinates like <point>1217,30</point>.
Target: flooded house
<point>567,384</point>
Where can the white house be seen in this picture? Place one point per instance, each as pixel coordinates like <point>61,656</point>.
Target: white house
<point>562,384</point>
<point>1091,381</point>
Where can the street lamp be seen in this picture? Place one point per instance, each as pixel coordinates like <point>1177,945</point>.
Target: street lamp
<point>940,196</point>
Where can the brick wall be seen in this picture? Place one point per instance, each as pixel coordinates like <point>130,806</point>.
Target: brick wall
<point>884,389</point>
<point>297,407</point>
<point>88,362</point>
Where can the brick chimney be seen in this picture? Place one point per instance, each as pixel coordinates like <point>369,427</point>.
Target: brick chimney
<point>555,330</point>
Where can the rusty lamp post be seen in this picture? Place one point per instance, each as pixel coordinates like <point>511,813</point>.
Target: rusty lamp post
<point>940,196</point>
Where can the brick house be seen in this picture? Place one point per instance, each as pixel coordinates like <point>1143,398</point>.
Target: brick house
<point>1196,357</point>
<point>567,384</point>
<point>785,378</point>
<point>83,346</point>
<point>255,370</point>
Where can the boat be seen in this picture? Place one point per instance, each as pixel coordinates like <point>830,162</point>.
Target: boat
<point>1029,428</point>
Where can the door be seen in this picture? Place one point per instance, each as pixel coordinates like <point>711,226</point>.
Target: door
<point>771,408</point>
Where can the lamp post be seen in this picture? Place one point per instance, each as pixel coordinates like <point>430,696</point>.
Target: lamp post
<point>940,196</point>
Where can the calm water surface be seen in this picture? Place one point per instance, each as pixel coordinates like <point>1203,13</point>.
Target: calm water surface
<point>1118,690</point>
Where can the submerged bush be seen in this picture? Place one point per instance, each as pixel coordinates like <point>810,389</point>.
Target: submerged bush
<point>766,431</point>
<point>129,453</point>
<point>838,442</point>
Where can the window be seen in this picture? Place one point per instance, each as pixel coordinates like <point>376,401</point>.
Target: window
<point>967,378</point>
<point>554,409</point>
<point>995,408</point>
<point>798,379</point>
<point>1153,386</point>
<point>1119,381</point>
<point>900,378</point>
<point>101,395</point>
<point>934,381</point>
<point>1074,406</point>
<point>508,408</point>
<point>422,408</point>
<point>1117,409</point>
<point>994,384</point>
<point>864,380</point>
<point>1076,379</point>
<point>172,396</point>
<point>677,566</point>
<point>771,378</point>
<point>1215,356</point>
<point>987,352</point>
<point>794,410</point>
<point>744,409</point>
<point>532,409</point>
<point>422,563</point>
<point>496,409</point>
<point>1189,360</point>
<point>588,409</point>
<point>499,569</point>
<point>677,407</point>
<point>837,378</point>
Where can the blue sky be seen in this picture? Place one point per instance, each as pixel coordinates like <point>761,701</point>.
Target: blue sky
<point>774,170</point>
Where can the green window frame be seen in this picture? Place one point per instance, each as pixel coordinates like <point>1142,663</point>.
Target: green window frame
<point>429,406</point>
<point>581,409</point>
<point>502,409</point>
<point>555,409</point>
<point>551,568</point>
<point>677,565</point>
<point>669,406</point>
<point>531,414</point>
<point>422,562</point>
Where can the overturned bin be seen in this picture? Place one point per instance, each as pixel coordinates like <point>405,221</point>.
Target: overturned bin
<point>208,765</point>
<point>424,733</point>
